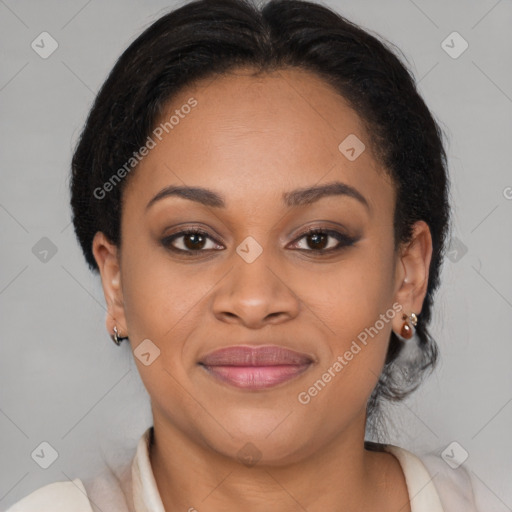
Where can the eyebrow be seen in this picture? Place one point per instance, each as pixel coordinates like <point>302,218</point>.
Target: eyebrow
<point>298,197</point>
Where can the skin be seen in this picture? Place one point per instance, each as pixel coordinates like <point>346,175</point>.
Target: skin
<point>251,139</point>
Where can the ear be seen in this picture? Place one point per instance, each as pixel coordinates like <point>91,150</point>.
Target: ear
<point>412,272</point>
<point>106,255</point>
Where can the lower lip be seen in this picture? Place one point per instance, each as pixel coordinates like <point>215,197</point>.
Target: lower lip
<point>256,377</point>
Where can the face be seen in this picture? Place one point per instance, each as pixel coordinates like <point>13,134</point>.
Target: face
<point>249,273</point>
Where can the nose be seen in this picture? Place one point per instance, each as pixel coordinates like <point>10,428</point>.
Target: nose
<point>254,295</point>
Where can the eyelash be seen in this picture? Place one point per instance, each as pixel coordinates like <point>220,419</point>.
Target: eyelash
<point>344,240</point>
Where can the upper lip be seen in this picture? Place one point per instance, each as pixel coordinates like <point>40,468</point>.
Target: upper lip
<point>264,355</point>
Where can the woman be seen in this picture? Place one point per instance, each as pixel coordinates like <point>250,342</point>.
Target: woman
<point>264,194</point>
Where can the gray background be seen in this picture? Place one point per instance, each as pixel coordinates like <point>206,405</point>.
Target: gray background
<point>63,380</point>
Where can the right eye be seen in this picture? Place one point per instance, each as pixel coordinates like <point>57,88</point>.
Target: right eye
<point>191,241</point>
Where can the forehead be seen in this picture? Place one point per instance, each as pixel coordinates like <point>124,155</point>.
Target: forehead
<point>259,134</point>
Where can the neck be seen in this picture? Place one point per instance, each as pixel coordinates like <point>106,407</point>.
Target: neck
<point>341,475</point>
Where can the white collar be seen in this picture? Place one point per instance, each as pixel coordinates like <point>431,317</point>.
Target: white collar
<point>146,497</point>
<point>423,495</point>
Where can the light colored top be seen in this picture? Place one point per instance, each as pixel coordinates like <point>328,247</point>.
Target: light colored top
<point>433,486</point>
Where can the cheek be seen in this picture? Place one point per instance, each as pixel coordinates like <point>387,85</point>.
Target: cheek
<point>347,375</point>
<point>352,294</point>
<point>157,292</point>
<point>355,304</point>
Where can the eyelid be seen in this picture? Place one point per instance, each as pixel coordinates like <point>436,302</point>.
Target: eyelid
<point>184,228</point>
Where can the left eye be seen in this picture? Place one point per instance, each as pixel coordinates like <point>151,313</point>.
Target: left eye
<point>318,240</point>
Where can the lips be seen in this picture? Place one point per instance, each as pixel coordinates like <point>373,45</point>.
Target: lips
<point>269,355</point>
<point>255,367</point>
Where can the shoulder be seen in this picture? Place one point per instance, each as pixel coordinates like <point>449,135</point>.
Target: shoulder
<point>108,489</point>
<point>55,497</point>
<point>111,489</point>
<point>453,482</point>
